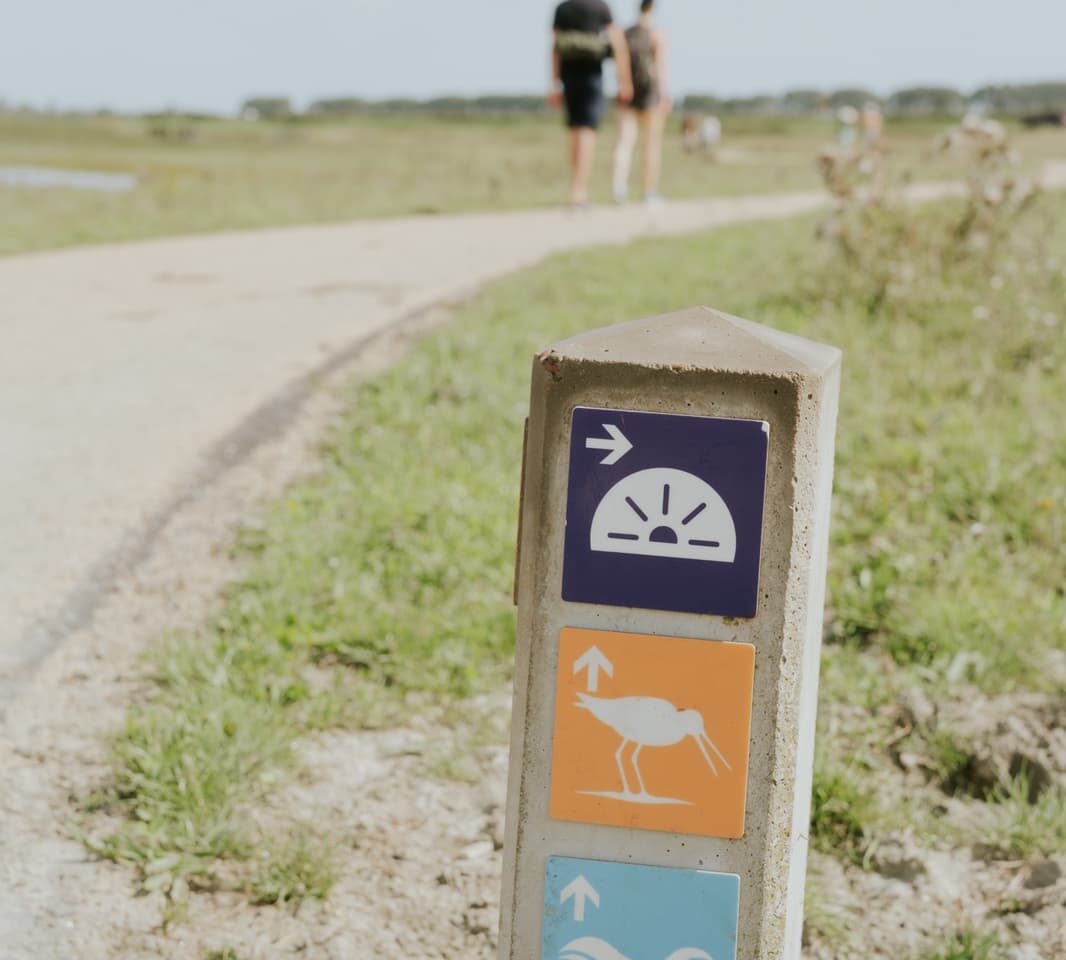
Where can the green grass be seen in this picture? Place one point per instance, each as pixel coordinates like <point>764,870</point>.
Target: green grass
<point>184,776</point>
<point>967,945</point>
<point>840,812</point>
<point>209,175</point>
<point>823,918</point>
<point>301,867</point>
<point>1025,827</point>
<point>389,574</point>
<point>952,762</point>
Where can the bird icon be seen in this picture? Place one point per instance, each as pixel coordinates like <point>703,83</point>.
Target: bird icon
<point>648,722</point>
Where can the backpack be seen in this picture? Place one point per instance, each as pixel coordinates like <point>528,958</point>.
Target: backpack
<point>642,58</point>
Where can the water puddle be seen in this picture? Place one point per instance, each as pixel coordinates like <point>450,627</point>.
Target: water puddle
<point>71,179</point>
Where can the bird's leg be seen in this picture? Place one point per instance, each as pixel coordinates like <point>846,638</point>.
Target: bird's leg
<point>640,779</point>
<point>621,766</point>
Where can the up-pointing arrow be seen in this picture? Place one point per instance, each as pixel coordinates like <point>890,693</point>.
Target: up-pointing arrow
<point>619,444</point>
<point>580,890</point>
<point>594,661</point>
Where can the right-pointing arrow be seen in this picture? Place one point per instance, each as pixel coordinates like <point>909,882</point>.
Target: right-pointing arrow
<point>580,890</point>
<point>594,661</point>
<point>618,445</point>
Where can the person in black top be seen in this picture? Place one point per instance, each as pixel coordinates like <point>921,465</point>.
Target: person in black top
<point>584,34</point>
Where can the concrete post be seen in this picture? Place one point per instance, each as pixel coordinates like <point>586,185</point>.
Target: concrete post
<point>670,589</point>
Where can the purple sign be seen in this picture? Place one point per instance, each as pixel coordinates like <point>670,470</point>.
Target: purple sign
<point>665,511</point>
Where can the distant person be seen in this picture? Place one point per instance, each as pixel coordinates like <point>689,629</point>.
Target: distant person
<point>847,126</point>
<point>690,129</point>
<point>701,133</point>
<point>584,34</point>
<point>647,109</point>
<point>873,124</point>
<point>710,135</point>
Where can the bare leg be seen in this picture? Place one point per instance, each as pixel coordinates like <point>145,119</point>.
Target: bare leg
<point>623,152</point>
<point>652,123</point>
<point>640,779</point>
<point>582,151</point>
<point>621,766</point>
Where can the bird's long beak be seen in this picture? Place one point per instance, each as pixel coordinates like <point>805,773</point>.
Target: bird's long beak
<point>706,755</point>
<point>717,752</point>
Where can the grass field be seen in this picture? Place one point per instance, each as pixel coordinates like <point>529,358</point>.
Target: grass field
<point>389,575</point>
<point>209,175</point>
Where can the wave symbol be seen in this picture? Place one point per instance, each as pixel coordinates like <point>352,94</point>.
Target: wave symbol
<point>593,948</point>
<point>590,948</point>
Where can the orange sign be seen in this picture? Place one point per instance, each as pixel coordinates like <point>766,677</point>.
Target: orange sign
<point>652,732</point>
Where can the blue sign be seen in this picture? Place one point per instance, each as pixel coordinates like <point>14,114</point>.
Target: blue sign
<point>597,910</point>
<point>665,511</point>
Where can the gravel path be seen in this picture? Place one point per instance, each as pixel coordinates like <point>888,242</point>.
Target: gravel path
<point>58,902</point>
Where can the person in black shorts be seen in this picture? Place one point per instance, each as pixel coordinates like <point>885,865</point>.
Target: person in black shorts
<point>648,108</point>
<point>584,34</point>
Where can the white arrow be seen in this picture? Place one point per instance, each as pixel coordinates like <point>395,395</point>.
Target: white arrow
<point>581,890</point>
<point>619,444</point>
<point>594,661</point>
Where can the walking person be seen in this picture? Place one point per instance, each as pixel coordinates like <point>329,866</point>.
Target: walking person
<point>584,34</point>
<point>648,108</point>
<point>847,127</point>
<point>873,124</point>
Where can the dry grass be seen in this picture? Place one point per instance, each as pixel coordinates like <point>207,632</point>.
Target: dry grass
<point>211,175</point>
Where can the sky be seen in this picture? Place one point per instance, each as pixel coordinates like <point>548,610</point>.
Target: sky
<point>212,54</point>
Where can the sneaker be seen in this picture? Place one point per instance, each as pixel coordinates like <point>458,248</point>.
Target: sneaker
<point>621,195</point>
<point>653,200</point>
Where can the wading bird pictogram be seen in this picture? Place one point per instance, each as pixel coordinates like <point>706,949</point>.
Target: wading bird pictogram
<point>648,722</point>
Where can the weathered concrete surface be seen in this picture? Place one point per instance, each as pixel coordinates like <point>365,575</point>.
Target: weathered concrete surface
<point>130,375</point>
<point>701,363</point>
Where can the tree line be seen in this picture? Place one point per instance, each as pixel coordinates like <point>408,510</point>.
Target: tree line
<point>922,101</point>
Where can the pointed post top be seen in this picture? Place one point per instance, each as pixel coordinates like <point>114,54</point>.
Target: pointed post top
<point>695,339</point>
